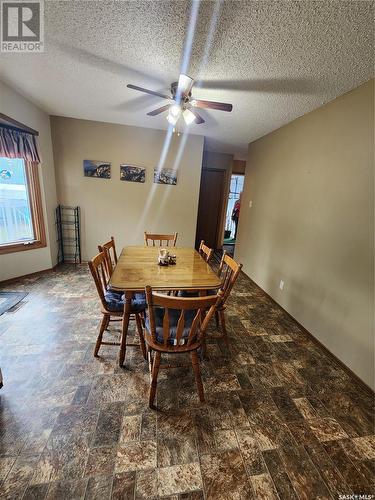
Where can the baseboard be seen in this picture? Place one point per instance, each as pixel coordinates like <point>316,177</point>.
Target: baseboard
<point>363,384</point>
<point>37,273</point>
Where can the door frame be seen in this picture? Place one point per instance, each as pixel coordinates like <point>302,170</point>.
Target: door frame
<point>222,213</point>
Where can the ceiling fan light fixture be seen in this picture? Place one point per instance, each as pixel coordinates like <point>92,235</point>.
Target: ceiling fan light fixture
<point>189,117</point>
<point>175,110</point>
<point>172,119</point>
<point>185,84</point>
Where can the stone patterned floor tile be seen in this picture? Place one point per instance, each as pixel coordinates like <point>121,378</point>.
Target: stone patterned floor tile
<point>99,488</point>
<point>136,455</point>
<point>67,490</point>
<point>250,452</point>
<point>279,476</point>
<point>179,479</point>
<point>224,476</point>
<point>263,487</point>
<point>176,451</point>
<point>36,492</point>
<point>101,461</point>
<point>146,484</point>
<point>327,429</point>
<point>123,486</point>
<point>226,440</point>
<point>193,495</point>
<point>281,417</point>
<point>130,428</point>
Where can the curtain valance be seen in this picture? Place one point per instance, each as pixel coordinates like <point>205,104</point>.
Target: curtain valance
<point>18,144</point>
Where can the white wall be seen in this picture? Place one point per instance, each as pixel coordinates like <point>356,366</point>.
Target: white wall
<point>125,209</point>
<point>20,263</point>
<point>311,224</point>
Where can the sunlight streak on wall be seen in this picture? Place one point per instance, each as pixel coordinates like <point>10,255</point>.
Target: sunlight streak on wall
<point>189,39</point>
<point>216,12</point>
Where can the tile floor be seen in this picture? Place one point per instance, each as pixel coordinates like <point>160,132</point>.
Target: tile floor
<point>282,420</point>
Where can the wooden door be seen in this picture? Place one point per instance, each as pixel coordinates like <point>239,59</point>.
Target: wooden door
<point>211,198</point>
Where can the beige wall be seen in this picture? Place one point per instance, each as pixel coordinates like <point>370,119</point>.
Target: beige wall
<point>20,263</point>
<point>119,208</point>
<point>312,224</point>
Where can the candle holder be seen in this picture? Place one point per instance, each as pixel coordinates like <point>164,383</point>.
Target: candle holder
<point>163,257</point>
<point>172,260</point>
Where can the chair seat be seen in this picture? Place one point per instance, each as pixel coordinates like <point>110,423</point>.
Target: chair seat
<point>174,315</point>
<point>115,301</point>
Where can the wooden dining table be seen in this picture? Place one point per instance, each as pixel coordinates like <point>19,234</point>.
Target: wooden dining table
<point>138,267</point>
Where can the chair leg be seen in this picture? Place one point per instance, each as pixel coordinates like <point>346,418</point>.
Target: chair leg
<point>217,319</point>
<point>103,326</point>
<point>223,327</point>
<point>125,326</point>
<point>154,378</point>
<point>140,334</point>
<point>149,359</point>
<point>197,373</point>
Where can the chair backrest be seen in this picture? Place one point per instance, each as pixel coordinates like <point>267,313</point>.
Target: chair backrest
<point>229,271</point>
<point>198,326</point>
<point>205,251</point>
<point>109,249</point>
<point>98,268</point>
<point>161,238</point>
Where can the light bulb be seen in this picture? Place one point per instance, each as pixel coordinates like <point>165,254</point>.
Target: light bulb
<point>189,117</point>
<point>175,110</point>
<point>172,119</point>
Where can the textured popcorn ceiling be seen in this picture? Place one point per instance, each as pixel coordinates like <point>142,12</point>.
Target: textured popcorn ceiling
<point>274,60</point>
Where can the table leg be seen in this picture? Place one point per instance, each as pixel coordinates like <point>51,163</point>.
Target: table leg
<point>125,326</point>
<point>203,293</point>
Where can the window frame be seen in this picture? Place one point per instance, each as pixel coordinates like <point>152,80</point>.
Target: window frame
<point>37,217</point>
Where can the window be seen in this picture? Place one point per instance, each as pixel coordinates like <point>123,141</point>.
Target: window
<point>21,218</point>
<point>236,187</point>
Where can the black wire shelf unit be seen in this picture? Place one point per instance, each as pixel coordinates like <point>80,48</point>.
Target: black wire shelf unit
<point>68,234</point>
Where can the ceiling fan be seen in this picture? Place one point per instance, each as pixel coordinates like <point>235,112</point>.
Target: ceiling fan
<point>184,104</point>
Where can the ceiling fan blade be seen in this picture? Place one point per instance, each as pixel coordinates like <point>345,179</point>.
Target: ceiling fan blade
<point>220,106</point>
<point>198,119</point>
<point>159,110</point>
<point>147,91</point>
<point>185,84</point>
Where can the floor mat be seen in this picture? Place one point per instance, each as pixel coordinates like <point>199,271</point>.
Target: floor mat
<point>9,300</point>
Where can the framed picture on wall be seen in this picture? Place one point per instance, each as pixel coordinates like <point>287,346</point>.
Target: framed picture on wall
<point>99,169</point>
<point>165,176</point>
<point>132,173</point>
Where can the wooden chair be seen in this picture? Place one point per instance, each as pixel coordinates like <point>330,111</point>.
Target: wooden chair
<point>161,238</point>
<point>112,305</point>
<point>109,249</point>
<point>176,325</point>
<point>229,271</point>
<point>205,252</point>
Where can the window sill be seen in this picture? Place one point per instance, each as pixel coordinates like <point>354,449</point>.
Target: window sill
<point>21,247</point>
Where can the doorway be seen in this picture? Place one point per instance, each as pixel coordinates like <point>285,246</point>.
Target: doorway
<point>211,198</point>
<point>235,190</point>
